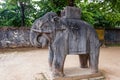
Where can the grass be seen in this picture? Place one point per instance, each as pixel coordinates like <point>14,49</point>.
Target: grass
<point>113,45</point>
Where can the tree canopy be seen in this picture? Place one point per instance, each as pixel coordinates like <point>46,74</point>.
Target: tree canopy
<point>99,13</point>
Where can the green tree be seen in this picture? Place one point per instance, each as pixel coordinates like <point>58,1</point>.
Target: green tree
<point>49,5</point>
<point>21,4</point>
<point>9,15</point>
<point>17,13</point>
<point>113,12</point>
<point>99,13</point>
<point>114,4</point>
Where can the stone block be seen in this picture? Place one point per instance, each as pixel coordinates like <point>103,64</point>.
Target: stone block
<point>98,78</point>
<point>71,13</point>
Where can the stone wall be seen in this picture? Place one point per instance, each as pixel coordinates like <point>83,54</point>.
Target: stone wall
<point>112,36</point>
<point>19,37</point>
<point>14,37</point>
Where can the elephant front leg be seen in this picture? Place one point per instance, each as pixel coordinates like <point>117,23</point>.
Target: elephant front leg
<point>58,65</point>
<point>50,58</point>
<point>83,60</point>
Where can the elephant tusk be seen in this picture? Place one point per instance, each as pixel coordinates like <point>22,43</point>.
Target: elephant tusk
<point>40,31</point>
<point>47,37</point>
<point>37,30</point>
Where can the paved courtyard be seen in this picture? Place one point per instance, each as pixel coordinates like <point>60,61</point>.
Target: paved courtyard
<point>25,63</point>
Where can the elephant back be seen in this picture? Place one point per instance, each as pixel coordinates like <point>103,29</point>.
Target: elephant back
<point>79,36</point>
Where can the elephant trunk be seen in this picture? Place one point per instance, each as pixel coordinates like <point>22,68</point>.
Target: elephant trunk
<point>34,37</point>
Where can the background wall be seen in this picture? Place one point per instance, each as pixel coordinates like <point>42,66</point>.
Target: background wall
<point>19,37</point>
<point>112,36</point>
<point>14,37</point>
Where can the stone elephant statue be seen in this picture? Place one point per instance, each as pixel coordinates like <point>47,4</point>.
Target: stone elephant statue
<point>66,36</point>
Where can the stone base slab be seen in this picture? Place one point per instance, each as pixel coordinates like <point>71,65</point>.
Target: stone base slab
<point>73,74</point>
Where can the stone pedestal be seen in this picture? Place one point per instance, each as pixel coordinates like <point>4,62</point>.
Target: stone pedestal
<point>73,74</point>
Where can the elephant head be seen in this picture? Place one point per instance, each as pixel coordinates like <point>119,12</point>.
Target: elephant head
<point>37,39</point>
<point>42,28</point>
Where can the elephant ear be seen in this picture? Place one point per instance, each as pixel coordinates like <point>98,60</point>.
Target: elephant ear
<point>58,24</point>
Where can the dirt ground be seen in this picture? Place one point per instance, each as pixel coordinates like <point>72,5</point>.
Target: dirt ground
<point>25,63</point>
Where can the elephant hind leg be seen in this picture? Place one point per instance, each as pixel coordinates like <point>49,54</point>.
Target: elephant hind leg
<point>94,59</point>
<point>83,58</point>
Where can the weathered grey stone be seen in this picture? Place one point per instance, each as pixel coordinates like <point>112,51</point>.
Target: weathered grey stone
<point>67,36</point>
<point>14,37</point>
<point>98,78</point>
<point>79,74</point>
<point>71,13</point>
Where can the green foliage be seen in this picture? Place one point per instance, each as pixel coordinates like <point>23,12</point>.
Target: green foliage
<point>10,16</point>
<point>105,13</point>
<point>114,4</point>
<point>49,5</point>
<point>86,14</point>
<point>111,10</point>
<point>100,14</point>
<point>10,13</point>
<point>114,18</point>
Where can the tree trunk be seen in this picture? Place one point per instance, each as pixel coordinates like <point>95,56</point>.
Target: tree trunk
<point>71,2</point>
<point>22,14</point>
